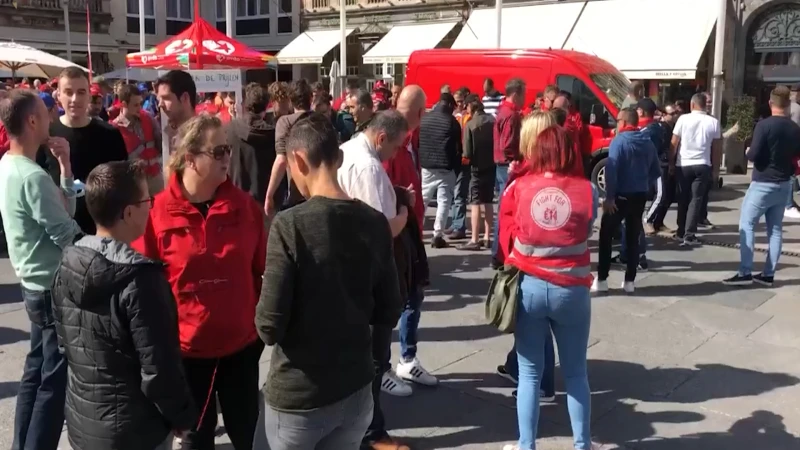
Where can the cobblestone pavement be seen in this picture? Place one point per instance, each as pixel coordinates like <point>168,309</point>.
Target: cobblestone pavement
<point>685,363</point>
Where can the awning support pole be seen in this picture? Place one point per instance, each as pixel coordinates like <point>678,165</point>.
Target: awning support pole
<point>719,69</point>
<point>498,11</point>
<point>343,44</point>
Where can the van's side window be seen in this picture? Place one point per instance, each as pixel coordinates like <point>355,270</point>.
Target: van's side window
<point>582,97</point>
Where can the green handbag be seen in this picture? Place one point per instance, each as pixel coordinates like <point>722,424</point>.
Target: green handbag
<point>501,301</point>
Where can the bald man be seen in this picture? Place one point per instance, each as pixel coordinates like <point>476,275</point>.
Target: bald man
<point>403,169</point>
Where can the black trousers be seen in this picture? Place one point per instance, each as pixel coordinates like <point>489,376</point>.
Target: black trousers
<point>235,383</point>
<point>694,183</point>
<point>630,208</point>
<point>665,195</point>
<point>381,355</point>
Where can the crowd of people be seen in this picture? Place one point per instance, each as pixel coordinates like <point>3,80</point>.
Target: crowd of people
<point>154,286</point>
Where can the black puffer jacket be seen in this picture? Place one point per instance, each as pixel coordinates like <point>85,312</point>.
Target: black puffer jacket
<point>117,321</point>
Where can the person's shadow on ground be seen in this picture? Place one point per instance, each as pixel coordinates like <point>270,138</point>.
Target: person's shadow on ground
<point>763,430</point>
<point>459,404</point>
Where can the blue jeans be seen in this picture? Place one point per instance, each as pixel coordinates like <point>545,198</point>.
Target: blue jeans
<point>42,389</point>
<point>548,376</point>
<point>624,243</point>
<point>790,198</point>
<point>409,324</point>
<point>567,311</point>
<point>501,178</point>
<point>458,215</point>
<point>337,426</point>
<point>768,200</point>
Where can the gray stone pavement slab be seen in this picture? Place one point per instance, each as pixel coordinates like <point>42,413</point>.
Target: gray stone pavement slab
<point>684,363</point>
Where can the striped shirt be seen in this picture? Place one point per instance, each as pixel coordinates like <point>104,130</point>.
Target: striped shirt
<point>492,102</point>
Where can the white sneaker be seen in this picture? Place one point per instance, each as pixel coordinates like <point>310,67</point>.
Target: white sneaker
<point>628,287</point>
<point>413,371</point>
<point>393,385</point>
<point>510,447</point>
<point>599,286</point>
<point>792,213</point>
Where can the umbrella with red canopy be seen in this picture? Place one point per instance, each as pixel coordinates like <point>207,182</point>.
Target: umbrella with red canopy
<point>200,46</point>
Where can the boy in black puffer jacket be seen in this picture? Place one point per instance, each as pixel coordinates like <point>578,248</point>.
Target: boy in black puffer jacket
<point>117,322</point>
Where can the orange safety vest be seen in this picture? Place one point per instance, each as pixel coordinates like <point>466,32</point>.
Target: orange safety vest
<point>552,216</point>
<point>144,150</point>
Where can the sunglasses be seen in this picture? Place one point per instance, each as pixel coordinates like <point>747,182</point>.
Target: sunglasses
<point>219,152</point>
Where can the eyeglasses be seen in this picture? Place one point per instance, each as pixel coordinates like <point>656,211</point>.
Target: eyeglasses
<point>219,152</point>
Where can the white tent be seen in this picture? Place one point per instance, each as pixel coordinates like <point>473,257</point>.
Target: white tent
<point>132,74</point>
<point>24,61</point>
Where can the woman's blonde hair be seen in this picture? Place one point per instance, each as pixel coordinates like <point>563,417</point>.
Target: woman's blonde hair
<point>190,139</point>
<point>533,124</point>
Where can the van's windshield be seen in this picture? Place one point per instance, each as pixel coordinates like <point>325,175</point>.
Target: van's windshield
<point>615,85</point>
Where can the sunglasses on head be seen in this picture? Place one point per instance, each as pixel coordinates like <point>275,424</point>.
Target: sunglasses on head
<point>220,151</point>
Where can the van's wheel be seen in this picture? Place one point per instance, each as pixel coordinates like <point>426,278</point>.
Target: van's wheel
<point>599,176</point>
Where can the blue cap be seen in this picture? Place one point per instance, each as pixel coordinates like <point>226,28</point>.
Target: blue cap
<point>142,87</point>
<point>48,99</point>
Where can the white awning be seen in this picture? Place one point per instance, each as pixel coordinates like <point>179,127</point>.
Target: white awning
<point>310,47</point>
<point>398,44</point>
<point>528,27</point>
<point>646,56</point>
<point>54,40</point>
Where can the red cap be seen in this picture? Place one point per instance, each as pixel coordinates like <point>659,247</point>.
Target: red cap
<point>94,89</point>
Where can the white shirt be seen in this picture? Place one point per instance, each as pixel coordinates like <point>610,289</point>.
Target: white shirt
<point>363,177</point>
<point>697,131</point>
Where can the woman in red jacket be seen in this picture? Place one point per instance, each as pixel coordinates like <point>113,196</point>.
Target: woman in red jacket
<point>210,235</point>
<point>552,209</point>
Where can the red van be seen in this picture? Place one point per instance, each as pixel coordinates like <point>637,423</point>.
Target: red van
<point>598,88</point>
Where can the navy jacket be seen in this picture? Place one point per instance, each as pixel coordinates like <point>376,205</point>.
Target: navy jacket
<point>632,165</point>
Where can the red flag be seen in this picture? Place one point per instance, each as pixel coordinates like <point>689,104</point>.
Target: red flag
<point>89,42</point>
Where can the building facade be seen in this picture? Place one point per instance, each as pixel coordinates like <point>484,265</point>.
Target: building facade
<point>762,44</point>
<point>40,24</point>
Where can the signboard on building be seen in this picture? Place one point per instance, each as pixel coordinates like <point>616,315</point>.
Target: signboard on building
<point>660,74</point>
<point>217,80</point>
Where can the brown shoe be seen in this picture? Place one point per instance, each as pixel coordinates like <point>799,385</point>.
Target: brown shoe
<point>649,229</point>
<point>388,443</point>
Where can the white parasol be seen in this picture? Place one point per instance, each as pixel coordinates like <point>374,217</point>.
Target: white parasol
<point>334,89</point>
<point>24,61</point>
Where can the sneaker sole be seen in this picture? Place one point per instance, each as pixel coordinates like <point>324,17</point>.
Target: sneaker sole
<point>763,283</point>
<point>417,381</point>
<point>507,377</point>
<point>738,283</point>
<point>397,393</point>
<point>547,399</point>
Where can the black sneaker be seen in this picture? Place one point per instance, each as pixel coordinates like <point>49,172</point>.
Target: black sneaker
<point>643,265</point>
<point>438,242</point>
<point>738,280</point>
<point>501,370</point>
<point>543,397</point>
<point>706,225</point>
<point>690,241</point>
<point>764,280</point>
<point>618,261</point>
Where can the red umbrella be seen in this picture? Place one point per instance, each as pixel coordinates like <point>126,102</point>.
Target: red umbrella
<point>200,46</point>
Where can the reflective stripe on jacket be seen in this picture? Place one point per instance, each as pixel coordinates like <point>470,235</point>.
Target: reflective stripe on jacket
<point>142,147</point>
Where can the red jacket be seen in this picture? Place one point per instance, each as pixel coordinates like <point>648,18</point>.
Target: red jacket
<point>404,170</point>
<point>507,126</point>
<point>214,265</point>
<point>551,217</point>
<point>580,133</point>
<point>5,143</point>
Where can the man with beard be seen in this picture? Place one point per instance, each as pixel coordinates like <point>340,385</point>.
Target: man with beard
<point>177,99</point>
<point>91,141</point>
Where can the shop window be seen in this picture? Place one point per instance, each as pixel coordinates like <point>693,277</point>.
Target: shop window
<point>252,16</point>
<point>772,54</point>
<point>179,16</point>
<point>132,16</point>
<point>285,22</point>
